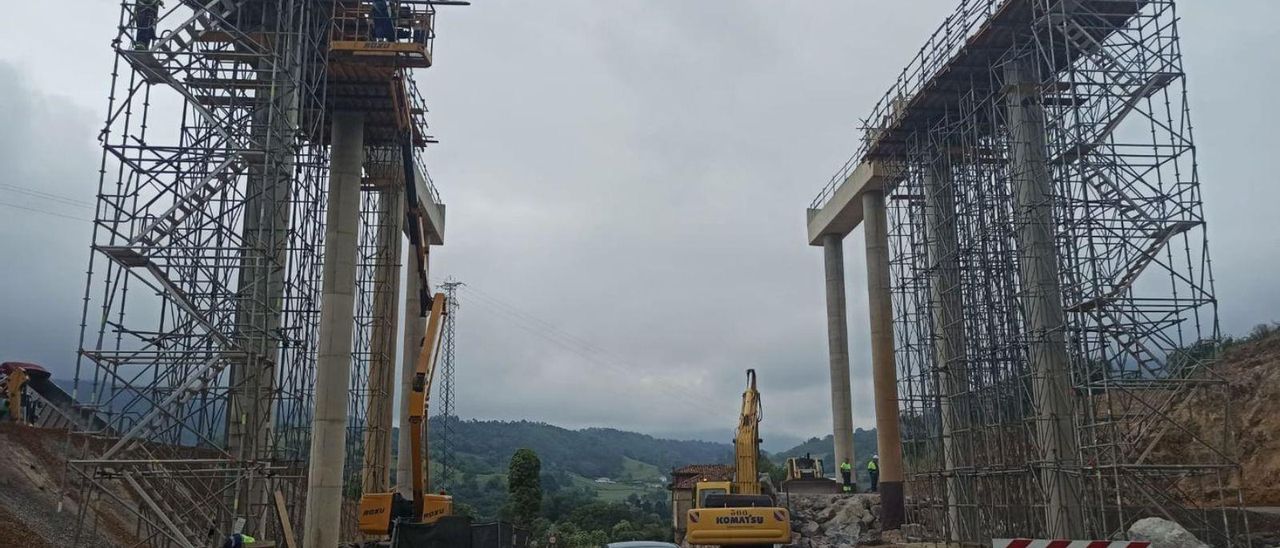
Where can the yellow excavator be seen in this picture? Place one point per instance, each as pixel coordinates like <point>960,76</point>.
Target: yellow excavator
<point>379,511</point>
<point>736,513</point>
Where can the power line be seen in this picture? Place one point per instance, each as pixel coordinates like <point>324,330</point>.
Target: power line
<point>65,200</point>
<point>45,211</point>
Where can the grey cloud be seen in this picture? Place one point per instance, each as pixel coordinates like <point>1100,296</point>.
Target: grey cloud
<point>46,148</point>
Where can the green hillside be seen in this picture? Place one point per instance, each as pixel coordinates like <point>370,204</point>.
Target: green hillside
<point>601,463</point>
<point>607,465</point>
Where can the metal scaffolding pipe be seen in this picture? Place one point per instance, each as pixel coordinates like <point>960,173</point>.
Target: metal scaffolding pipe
<point>949,341</point>
<point>375,475</point>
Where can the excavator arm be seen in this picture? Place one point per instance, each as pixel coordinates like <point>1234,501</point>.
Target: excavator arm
<point>746,447</point>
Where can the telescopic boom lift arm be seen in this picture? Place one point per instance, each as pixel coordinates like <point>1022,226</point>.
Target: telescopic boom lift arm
<point>424,373</point>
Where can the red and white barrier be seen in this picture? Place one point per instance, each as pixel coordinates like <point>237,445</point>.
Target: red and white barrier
<point>1030,543</point>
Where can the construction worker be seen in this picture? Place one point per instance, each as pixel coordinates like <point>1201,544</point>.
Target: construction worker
<point>873,470</point>
<point>846,473</point>
<point>145,17</point>
<point>384,29</point>
<point>238,540</point>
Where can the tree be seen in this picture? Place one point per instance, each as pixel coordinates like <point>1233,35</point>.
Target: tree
<point>524,487</point>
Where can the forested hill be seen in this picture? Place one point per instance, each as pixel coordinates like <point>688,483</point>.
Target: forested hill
<point>591,452</point>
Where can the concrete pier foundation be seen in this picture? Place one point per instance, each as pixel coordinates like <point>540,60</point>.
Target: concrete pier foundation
<point>337,309</point>
<point>1042,300</point>
<point>838,348</point>
<point>884,374</point>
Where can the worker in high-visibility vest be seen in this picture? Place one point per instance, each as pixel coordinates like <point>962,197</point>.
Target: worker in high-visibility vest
<point>238,540</point>
<point>873,470</point>
<point>846,473</point>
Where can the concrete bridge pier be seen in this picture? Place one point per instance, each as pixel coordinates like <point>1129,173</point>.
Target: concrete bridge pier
<point>337,315</point>
<point>884,374</point>
<point>375,473</point>
<point>1042,299</point>
<point>838,348</point>
<point>949,340</point>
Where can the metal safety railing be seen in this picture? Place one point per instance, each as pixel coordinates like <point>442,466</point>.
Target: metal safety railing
<point>967,19</point>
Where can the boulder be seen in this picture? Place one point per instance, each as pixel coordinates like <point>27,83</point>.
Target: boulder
<point>893,536</point>
<point>913,532</point>
<point>825,514</point>
<point>1162,533</point>
<point>810,529</point>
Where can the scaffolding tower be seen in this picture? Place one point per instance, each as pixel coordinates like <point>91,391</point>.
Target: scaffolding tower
<point>1051,281</point>
<point>447,415</point>
<point>199,332</point>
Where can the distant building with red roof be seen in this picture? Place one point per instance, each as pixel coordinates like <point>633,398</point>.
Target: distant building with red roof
<point>683,480</point>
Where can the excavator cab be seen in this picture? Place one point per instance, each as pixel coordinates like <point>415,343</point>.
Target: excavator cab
<point>705,489</point>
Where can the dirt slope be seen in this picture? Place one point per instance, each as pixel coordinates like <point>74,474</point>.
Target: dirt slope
<point>1251,368</point>
<point>31,476</point>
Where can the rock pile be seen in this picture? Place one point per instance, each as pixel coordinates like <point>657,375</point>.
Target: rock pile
<point>822,521</point>
<point>1162,533</point>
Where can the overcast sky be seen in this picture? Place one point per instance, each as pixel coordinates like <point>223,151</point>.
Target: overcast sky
<point>626,183</point>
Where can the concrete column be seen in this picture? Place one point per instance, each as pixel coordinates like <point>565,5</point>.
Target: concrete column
<point>838,348</point>
<point>375,475</point>
<point>337,311</point>
<point>261,286</point>
<point>949,340</point>
<point>415,326</point>
<point>1042,301</point>
<point>884,373</point>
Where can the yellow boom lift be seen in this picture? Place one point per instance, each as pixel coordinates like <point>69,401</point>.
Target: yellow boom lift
<point>378,511</point>
<point>736,513</point>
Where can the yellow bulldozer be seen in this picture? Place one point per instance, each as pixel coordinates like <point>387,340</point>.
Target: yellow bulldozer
<point>805,475</point>
<point>736,513</point>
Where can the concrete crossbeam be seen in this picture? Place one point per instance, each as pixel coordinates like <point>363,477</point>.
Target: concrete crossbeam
<point>843,212</point>
<point>432,212</point>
